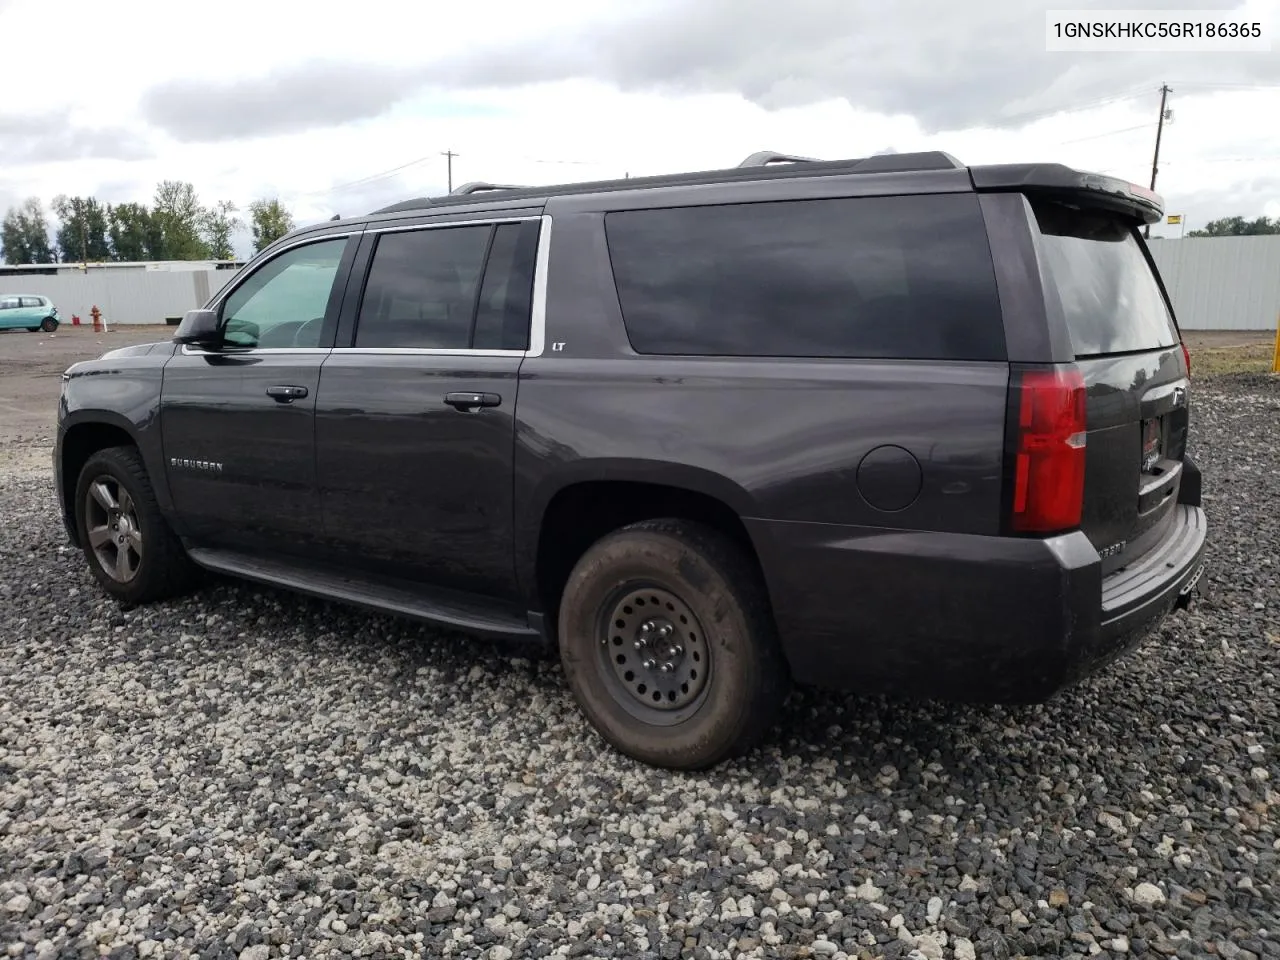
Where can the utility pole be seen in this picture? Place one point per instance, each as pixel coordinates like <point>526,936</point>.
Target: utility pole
<point>1155,159</point>
<point>449,154</point>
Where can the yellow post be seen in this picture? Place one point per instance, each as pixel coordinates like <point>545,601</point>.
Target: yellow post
<point>1275,354</point>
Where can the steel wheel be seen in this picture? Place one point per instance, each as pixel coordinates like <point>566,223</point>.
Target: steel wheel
<point>115,536</point>
<point>653,653</point>
<point>48,325</point>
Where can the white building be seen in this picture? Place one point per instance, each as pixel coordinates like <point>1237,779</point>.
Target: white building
<point>133,292</point>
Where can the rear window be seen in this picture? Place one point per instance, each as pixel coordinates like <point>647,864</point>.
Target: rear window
<point>877,277</point>
<point>1110,296</point>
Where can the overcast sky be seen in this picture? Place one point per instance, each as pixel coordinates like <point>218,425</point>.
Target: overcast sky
<point>341,107</point>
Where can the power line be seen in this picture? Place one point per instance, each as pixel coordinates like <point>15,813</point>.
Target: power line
<point>1228,85</point>
<point>371,178</point>
<point>1109,133</point>
<point>1032,116</point>
<point>1269,159</point>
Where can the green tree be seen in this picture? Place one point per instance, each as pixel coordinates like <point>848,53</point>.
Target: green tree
<point>82,234</point>
<point>180,217</point>
<point>1238,227</point>
<point>270,221</point>
<point>220,222</point>
<point>25,234</point>
<point>134,233</point>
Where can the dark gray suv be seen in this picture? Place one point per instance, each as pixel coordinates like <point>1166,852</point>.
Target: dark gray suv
<point>893,424</point>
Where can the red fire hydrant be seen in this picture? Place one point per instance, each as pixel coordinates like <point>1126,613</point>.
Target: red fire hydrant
<point>75,320</point>
<point>98,324</point>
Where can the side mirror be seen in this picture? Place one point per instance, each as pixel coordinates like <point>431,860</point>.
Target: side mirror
<point>198,328</point>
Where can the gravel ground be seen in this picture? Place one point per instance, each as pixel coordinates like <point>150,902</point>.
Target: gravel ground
<point>249,774</point>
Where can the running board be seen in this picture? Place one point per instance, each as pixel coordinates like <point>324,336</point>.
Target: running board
<point>395,598</point>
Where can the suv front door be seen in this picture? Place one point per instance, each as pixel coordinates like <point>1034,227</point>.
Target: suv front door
<point>238,422</point>
<point>415,423</point>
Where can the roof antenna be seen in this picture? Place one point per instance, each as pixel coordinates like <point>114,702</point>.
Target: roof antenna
<point>335,217</point>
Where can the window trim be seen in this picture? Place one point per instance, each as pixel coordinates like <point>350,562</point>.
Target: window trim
<point>537,307</point>
<point>219,300</point>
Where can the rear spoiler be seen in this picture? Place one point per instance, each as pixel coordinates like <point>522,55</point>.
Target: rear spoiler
<point>1055,181</point>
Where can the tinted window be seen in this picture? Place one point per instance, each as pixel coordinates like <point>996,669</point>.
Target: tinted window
<point>907,277</point>
<point>1110,297</point>
<point>421,290</point>
<point>283,303</point>
<point>502,315</point>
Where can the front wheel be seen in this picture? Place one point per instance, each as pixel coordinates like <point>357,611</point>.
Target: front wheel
<point>49,324</point>
<point>131,550</point>
<point>669,645</point>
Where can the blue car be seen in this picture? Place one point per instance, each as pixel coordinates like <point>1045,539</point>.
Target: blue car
<point>27,310</point>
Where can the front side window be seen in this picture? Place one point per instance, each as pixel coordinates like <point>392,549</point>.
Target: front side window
<point>33,301</point>
<point>283,303</point>
<point>450,288</point>
<point>906,277</point>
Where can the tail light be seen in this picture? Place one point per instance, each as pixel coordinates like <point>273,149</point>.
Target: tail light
<point>1186,355</point>
<point>1049,450</point>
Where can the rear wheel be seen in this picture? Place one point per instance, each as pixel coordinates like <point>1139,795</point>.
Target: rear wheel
<point>669,645</point>
<point>131,550</point>
<point>49,324</point>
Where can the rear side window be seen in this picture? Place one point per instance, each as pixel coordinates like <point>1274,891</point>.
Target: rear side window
<point>1110,297</point>
<point>451,288</point>
<point>421,290</point>
<point>878,277</point>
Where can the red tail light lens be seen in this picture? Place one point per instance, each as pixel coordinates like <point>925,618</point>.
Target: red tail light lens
<point>1186,355</point>
<point>1048,486</point>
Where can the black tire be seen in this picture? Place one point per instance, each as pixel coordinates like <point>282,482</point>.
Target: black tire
<point>49,324</point>
<point>162,568</point>
<point>688,567</point>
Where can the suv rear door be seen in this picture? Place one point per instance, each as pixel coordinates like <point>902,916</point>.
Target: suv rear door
<point>1102,286</point>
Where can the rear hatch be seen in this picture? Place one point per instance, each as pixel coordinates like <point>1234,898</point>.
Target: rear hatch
<point>1129,352</point>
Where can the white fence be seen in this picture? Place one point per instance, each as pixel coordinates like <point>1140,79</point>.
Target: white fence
<point>123,295</point>
<point>1222,283</point>
<point>1217,283</point>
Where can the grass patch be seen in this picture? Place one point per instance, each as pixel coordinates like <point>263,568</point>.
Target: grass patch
<point>1245,358</point>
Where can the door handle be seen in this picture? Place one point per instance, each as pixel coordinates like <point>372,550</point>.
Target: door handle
<point>463,400</point>
<point>286,393</point>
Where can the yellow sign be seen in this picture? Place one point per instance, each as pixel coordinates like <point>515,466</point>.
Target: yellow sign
<point>1175,218</point>
<point>1275,355</point>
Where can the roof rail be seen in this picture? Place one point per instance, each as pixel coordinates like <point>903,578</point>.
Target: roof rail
<point>762,158</point>
<point>477,186</point>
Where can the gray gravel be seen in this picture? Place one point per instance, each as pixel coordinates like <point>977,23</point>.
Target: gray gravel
<point>249,774</point>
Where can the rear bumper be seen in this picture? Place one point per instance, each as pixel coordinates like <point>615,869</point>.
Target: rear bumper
<point>963,617</point>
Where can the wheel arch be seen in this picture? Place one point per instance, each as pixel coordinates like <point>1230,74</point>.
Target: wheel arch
<point>596,499</point>
<point>82,435</point>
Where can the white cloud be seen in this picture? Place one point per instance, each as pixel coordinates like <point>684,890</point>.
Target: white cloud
<point>310,103</point>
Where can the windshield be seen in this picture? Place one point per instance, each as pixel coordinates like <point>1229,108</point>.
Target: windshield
<point>1110,296</point>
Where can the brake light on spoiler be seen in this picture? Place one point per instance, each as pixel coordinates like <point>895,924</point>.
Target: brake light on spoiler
<point>1073,186</point>
<point>1123,188</point>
